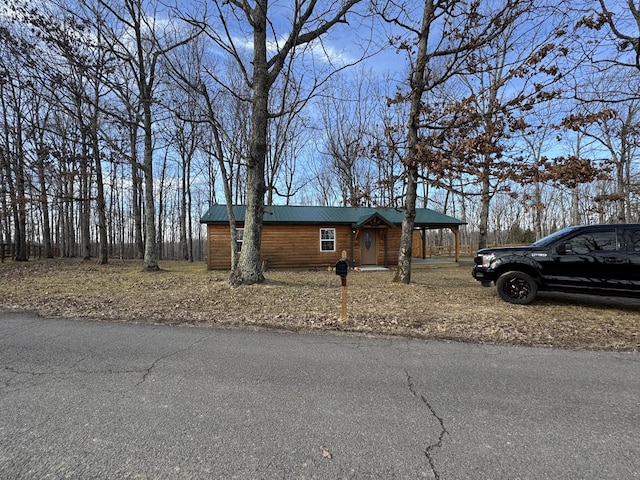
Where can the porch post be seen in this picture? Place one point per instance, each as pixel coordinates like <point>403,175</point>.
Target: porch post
<point>386,248</point>
<point>353,260</point>
<point>456,235</point>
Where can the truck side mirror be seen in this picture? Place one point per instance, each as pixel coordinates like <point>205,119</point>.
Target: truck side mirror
<point>564,248</point>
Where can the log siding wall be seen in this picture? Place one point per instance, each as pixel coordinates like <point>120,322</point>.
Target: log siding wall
<point>298,246</point>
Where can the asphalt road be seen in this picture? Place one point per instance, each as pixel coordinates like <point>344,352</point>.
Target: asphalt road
<point>84,400</point>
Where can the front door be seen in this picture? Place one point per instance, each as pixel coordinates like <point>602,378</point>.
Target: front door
<point>369,247</point>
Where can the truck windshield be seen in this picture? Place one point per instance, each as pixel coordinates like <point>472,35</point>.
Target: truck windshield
<point>549,239</point>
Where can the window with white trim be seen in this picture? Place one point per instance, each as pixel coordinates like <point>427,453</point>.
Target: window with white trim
<point>327,239</point>
<point>239,237</point>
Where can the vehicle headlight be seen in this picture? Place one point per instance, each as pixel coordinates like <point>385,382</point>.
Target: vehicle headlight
<point>487,259</point>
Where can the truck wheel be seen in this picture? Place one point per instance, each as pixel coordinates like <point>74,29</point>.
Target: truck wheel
<point>517,287</point>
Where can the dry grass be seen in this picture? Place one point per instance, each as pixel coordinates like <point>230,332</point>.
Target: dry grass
<point>441,303</point>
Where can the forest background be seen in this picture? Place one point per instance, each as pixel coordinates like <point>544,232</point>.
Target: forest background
<point>122,121</point>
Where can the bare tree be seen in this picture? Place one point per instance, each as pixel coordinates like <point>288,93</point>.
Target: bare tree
<point>221,120</point>
<point>87,69</point>
<point>347,122</point>
<point>624,26</point>
<point>187,136</point>
<point>140,42</point>
<point>272,54</point>
<point>615,138</point>
<point>286,138</point>
<point>504,89</point>
<point>440,45</point>
<point>14,90</point>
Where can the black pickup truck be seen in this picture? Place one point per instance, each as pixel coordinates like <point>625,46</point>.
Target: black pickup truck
<point>594,259</point>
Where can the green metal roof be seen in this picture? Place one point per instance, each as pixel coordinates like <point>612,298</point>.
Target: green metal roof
<point>354,216</point>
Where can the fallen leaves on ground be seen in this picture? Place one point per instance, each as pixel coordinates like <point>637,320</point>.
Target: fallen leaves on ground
<point>441,303</point>
<point>325,453</point>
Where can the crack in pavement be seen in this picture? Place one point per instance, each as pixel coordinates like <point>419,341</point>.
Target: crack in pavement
<point>73,370</point>
<point>429,448</point>
<point>147,371</point>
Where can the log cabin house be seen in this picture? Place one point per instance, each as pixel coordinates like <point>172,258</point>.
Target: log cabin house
<point>315,237</point>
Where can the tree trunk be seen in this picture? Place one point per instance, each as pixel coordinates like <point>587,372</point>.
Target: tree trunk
<point>621,195</point>
<point>160,228</point>
<point>150,263</point>
<point>227,183</point>
<point>485,200</point>
<point>62,210</point>
<point>188,201</point>
<point>537,212</point>
<point>44,204</point>
<point>20,210</point>
<point>85,194</point>
<point>13,195</point>
<point>249,270</point>
<point>182,217</point>
<point>136,195</point>
<point>5,172</point>
<point>575,202</point>
<point>403,272</point>
<point>103,250</point>
<point>21,215</point>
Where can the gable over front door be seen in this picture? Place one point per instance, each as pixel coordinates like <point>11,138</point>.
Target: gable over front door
<point>369,246</point>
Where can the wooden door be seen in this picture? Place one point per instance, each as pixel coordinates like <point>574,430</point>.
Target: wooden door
<point>369,247</point>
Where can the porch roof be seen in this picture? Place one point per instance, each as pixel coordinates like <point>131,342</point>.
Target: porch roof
<point>353,216</point>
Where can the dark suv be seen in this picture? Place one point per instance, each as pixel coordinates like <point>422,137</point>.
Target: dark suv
<point>596,259</point>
